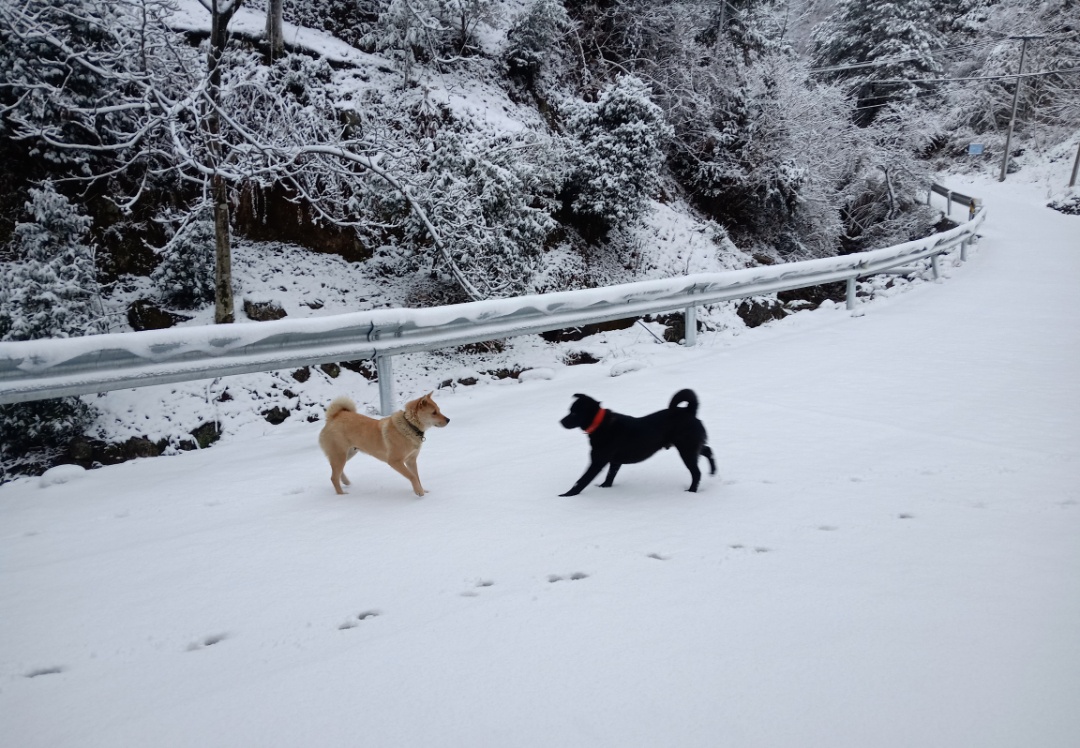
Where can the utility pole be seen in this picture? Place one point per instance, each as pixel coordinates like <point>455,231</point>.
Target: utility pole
<point>1016,100</point>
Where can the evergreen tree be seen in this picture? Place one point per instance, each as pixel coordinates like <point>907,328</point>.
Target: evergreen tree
<point>50,293</point>
<point>883,47</point>
<point>533,35</point>
<point>617,151</point>
<point>484,199</point>
<point>53,291</point>
<point>185,275</point>
<point>491,201</point>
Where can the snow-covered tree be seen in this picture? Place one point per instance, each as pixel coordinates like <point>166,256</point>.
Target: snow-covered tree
<point>881,47</point>
<point>461,22</point>
<point>987,32</point>
<point>407,30</point>
<point>151,106</point>
<point>214,122</point>
<point>533,36</point>
<point>185,276</point>
<point>51,292</point>
<point>883,206</point>
<point>492,200</point>
<point>617,150</point>
<point>795,154</point>
<point>485,202</point>
<point>431,32</point>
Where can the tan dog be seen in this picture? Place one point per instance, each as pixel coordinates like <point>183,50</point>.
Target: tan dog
<point>396,439</point>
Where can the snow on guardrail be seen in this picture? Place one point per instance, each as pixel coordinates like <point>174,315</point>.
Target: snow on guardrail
<point>39,369</point>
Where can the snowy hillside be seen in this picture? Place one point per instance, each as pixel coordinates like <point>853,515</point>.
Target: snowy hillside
<point>887,556</point>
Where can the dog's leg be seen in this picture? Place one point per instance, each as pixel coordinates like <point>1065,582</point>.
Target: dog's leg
<point>707,451</point>
<point>612,469</point>
<point>410,463</point>
<point>337,471</point>
<point>586,479</point>
<point>402,468</point>
<point>689,457</point>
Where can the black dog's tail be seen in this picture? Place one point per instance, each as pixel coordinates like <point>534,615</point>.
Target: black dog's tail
<point>684,396</point>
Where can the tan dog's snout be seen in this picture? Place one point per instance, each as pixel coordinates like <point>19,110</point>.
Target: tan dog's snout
<point>428,412</point>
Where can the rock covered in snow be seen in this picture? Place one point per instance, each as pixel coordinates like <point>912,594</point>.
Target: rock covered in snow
<point>61,474</point>
<point>626,366</point>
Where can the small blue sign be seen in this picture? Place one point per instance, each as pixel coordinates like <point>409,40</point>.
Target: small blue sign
<point>975,149</point>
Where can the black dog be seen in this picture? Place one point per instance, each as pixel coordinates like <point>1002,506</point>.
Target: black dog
<point>617,439</point>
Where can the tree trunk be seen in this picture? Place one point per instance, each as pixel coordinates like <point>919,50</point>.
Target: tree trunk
<point>223,291</point>
<point>892,195</point>
<point>275,37</point>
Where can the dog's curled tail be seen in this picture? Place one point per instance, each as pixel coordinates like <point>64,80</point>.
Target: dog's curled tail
<point>339,404</point>
<point>685,396</point>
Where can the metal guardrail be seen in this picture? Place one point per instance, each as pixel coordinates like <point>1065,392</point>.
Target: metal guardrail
<point>971,203</point>
<point>39,369</point>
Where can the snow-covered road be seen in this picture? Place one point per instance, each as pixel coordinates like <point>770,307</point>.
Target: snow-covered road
<point>888,556</point>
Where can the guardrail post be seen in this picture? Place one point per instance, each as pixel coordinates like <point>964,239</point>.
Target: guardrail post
<point>851,293</point>
<point>386,384</point>
<point>690,323</point>
<point>963,248</point>
<point>934,266</point>
<point>949,198</point>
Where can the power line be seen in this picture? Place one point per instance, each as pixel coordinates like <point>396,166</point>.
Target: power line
<point>906,58</point>
<point>944,51</point>
<point>1003,76</point>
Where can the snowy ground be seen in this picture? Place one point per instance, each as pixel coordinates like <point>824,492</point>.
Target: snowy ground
<point>888,556</point>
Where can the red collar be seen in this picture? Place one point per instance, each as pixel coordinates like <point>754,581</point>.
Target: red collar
<point>596,421</point>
